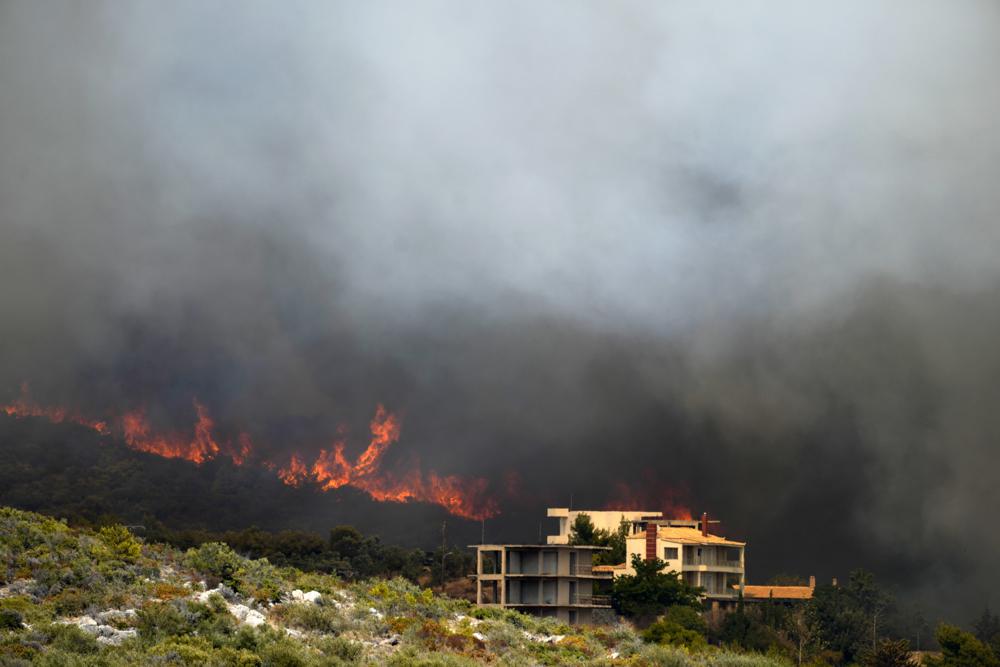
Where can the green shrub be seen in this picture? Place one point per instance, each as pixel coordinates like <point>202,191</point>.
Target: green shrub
<point>258,579</point>
<point>284,654</point>
<point>673,634</point>
<point>338,647</point>
<point>410,657</point>
<point>663,656</point>
<point>69,638</point>
<point>214,559</point>
<point>310,617</point>
<point>961,649</point>
<point>11,619</point>
<point>157,620</point>
<point>70,602</point>
<point>688,618</point>
<point>59,658</point>
<point>120,544</point>
<point>396,597</point>
<point>184,650</point>
<point>501,636</point>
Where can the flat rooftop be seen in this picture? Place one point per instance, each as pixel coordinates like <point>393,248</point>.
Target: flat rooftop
<point>687,536</point>
<point>546,547</point>
<point>556,512</point>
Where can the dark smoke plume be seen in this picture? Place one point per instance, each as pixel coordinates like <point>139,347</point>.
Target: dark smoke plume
<point>747,256</point>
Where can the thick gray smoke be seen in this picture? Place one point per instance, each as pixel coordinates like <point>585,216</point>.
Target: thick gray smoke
<point>747,253</point>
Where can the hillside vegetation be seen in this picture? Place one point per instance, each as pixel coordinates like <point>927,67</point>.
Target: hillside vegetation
<point>82,597</point>
<point>68,471</point>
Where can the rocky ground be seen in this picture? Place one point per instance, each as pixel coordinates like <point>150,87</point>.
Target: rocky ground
<point>75,597</point>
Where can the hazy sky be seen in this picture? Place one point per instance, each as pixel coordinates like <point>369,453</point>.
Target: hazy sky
<point>747,251</point>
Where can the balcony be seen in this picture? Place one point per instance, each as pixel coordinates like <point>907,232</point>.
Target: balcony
<point>592,600</point>
<point>711,562</point>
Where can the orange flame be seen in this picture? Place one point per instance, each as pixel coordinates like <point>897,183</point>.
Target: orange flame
<point>330,470</point>
<point>25,407</point>
<point>294,473</point>
<point>667,500</point>
<point>242,455</point>
<point>202,447</point>
<point>385,431</point>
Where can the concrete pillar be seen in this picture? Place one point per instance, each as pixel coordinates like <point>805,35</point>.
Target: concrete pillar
<point>503,578</point>
<point>479,576</point>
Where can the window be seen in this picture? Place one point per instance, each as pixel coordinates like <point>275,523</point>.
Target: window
<point>669,553</point>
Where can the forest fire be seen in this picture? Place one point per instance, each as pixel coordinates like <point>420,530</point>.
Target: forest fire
<point>295,473</point>
<point>332,470</point>
<point>667,500</point>
<point>202,447</point>
<point>23,406</point>
<point>329,470</point>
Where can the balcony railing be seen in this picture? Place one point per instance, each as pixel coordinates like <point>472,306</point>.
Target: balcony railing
<point>712,562</point>
<point>596,600</point>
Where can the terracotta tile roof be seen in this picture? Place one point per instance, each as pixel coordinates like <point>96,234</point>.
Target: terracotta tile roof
<point>687,536</point>
<point>608,568</point>
<point>776,592</point>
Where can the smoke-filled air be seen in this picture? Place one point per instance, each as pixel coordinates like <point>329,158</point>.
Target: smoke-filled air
<point>478,259</point>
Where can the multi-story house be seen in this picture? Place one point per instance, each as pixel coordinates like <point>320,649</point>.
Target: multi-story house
<point>708,561</point>
<point>608,520</point>
<point>542,579</point>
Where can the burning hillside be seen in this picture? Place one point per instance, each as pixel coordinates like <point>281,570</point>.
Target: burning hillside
<point>24,407</point>
<point>330,469</point>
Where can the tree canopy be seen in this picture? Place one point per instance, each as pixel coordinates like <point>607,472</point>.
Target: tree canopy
<point>961,649</point>
<point>849,617</point>
<point>651,591</point>
<point>583,532</point>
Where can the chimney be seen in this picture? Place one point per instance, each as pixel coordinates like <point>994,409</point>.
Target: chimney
<point>704,524</point>
<point>650,541</point>
<point>812,581</point>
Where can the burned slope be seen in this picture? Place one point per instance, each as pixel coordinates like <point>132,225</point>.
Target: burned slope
<point>71,472</point>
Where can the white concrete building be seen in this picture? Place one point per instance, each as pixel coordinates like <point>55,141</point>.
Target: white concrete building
<point>608,520</point>
<point>545,580</point>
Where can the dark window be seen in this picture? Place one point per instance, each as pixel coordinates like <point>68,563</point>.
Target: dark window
<point>669,553</point>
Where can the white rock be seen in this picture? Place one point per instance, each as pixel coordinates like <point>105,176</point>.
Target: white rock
<point>553,639</point>
<point>204,595</point>
<point>312,596</point>
<point>292,632</point>
<point>110,614</point>
<point>116,637</point>
<point>297,595</point>
<point>480,636</point>
<point>376,613</point>
<point>614,655</point>
<point>246,615</point>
